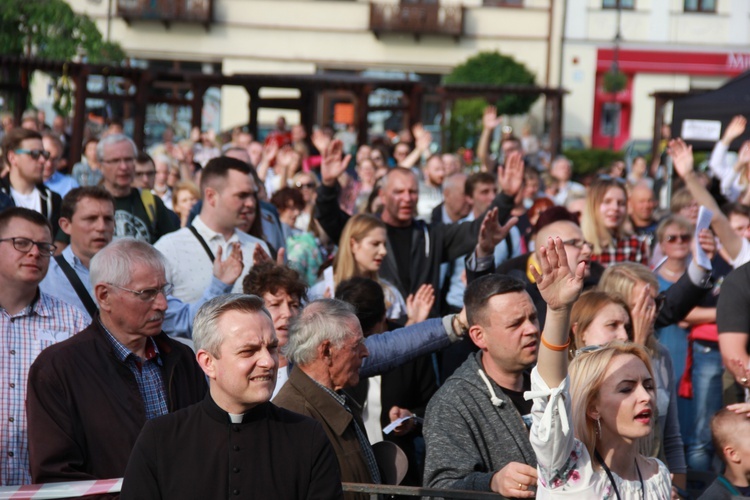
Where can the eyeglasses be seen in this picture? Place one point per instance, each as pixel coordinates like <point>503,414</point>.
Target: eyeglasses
<point>34,153</point>
<point>682,238</point>
<point>148,294</point>
<point>607,177</point>
<point>308,185</point>
<point>25,244</point>
<point>116,161</point>
<point>578,243</point>
<point>145,173</point>
<point>588,349</point>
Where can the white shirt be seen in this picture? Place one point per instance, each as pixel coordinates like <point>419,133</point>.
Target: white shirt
<point>32,201</point>
<point>190,269</point>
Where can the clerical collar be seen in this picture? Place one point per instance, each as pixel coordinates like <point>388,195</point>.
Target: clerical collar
<point>236,418</point>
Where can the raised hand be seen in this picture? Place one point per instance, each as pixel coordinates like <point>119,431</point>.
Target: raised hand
<point>682,157</point>
<point>229,269</point>
<point>735,129</point>
<point>707,241</point>
<point>419,304</point>
<point>643,313</point>
<point>320,140</point>
<point>270,150</point>
<point>491,233</point>
<point>260,256</point>
<point>510,177</point>
<point>333,165</point>
<point>557,284</point>
<point>490,120</point>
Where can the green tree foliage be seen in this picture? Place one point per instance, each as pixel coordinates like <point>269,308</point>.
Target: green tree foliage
<point>49,29</point>
<point>486,68</point>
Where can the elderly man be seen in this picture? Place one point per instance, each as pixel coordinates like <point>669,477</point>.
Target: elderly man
<point>257,449</point>
<point>327,347</point>
<point>25,156</point>
<point>477,424</point>
<point>30,321</point>
<point>562,170</point>
<point>138,213</point>
<point>89,397</point>
<point>228,202</point>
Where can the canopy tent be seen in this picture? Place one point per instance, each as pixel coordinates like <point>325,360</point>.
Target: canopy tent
<point>717,108</point>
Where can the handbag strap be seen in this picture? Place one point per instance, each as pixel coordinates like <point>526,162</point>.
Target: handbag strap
<point>202,242</point>
<point>80,290</point>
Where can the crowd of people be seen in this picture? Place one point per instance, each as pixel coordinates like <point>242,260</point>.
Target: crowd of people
<point>222,316</point>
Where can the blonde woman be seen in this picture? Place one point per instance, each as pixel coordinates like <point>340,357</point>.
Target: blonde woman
<point>587,426</point>
<point>362,249</point>
<point>604,225</point>
<point>186,195</point>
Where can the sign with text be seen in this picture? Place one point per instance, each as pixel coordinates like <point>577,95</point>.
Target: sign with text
<point>701,130</point>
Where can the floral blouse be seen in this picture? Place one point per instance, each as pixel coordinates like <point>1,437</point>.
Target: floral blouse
<point>564,464</point>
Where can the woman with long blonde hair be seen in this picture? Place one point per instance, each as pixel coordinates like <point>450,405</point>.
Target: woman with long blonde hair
<point>361,252</point>
<point>587,426</point>
<point>604,224</point>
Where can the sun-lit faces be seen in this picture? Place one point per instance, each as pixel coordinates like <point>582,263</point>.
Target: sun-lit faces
<point>370,251</point>
<point>243,374</point>
<point>625,401</point>
<point>610,323</point>
<point>613,208</point>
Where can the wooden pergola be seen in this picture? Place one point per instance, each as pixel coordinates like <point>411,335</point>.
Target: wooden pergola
<point>143,83</point>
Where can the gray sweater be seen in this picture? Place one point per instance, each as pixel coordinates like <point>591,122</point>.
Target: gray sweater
<point>468,437</point>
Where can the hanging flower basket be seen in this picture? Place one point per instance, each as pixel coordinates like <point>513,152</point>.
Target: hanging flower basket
<point>614,81</point>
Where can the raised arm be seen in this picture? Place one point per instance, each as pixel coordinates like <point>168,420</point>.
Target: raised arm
<point>560,287</point>
<point>490,122</point>
<point>682,158</point>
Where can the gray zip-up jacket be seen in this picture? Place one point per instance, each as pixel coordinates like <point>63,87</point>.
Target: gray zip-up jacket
<point>472,430</point>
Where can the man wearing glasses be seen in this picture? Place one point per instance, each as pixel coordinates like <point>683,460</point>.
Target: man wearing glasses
<point>25,156</point>
<point>89,397</point>
<point>142,217</point>
<point>54,179</point>
<point>29,321</point>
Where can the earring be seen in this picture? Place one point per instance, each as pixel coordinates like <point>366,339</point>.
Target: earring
<point>598,427</point>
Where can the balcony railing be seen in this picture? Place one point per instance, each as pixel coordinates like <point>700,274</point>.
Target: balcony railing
<point>417,19</point>
<point>166,11</point>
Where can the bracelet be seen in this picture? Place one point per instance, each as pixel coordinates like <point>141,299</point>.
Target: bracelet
<point>462,329</point>
<point>553,346</point>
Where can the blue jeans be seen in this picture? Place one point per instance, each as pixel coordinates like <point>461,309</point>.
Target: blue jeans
<point>707,400</point>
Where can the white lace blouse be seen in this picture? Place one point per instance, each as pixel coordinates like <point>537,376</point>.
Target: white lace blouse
<point>564,465</point>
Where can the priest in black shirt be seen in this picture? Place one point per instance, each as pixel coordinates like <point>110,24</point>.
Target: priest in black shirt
<point>234,443</point>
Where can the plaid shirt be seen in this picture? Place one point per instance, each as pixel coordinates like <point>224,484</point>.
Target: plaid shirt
<point>626,249</point>
<point>364,443</point>
<point>147,374</point>
<point>24,335</point>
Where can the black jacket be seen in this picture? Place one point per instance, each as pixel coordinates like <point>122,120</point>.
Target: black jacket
<point>50,202</point>
<point>431,245</point>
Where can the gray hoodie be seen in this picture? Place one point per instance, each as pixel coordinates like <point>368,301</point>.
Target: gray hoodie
<point>472,430</point>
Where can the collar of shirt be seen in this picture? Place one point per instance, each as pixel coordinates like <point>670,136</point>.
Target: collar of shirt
<point>39,305</point>
<point>340,398</point>
<point>123,353</point>
<point>209,234</point>
<point>73,260</point>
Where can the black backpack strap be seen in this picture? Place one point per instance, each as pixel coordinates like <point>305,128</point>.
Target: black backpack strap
<point>202,242</point>
<point>75,280</point>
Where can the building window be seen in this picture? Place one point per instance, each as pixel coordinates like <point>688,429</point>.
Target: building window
<point>700,5</point>
<point>610,125</point>
<point>618,4</point>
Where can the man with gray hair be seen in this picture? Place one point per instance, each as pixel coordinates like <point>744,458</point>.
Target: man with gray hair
<point>327,347</point>
<point>138,213</point>
<point>89,397</point>
<point>255,446</point>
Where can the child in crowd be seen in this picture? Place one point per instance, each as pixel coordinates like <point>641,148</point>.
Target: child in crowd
<point>730,429</point>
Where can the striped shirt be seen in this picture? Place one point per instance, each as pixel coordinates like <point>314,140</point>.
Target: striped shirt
<point>23,336</point>
<point>147,373</point>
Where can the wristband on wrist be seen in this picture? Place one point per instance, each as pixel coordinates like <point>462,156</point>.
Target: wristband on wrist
<point>554,347</point>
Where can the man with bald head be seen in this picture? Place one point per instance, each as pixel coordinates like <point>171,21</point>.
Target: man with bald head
<point>641,206</point>
<point>415,249</point>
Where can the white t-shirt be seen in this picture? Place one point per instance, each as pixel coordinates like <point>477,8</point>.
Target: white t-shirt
<point>32,201</point>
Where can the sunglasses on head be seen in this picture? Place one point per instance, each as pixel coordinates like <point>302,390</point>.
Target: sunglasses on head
<point>682,238</point>
<point>34,153</point>
<point>308,185</point>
